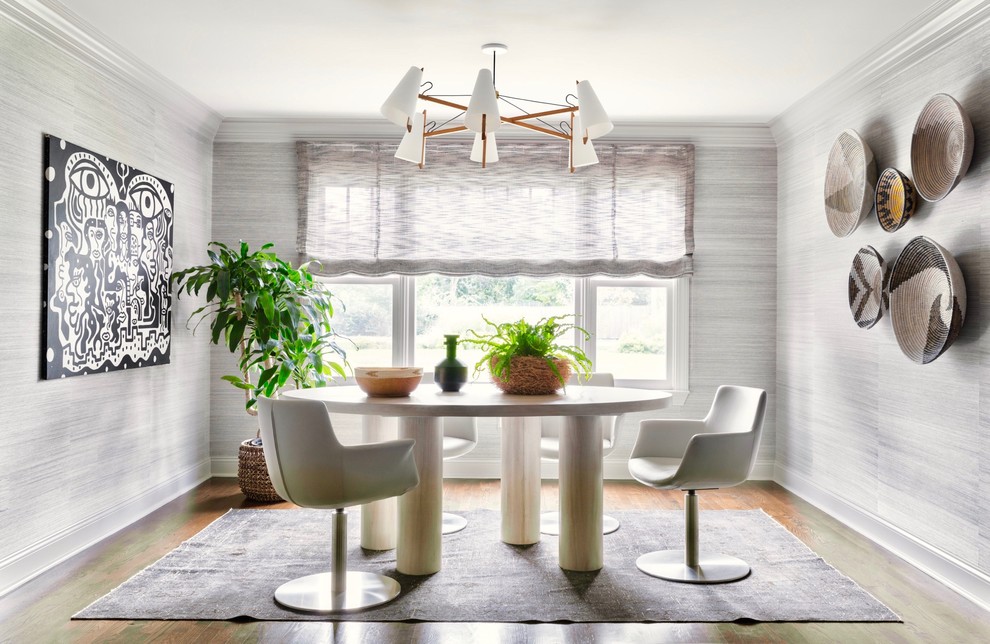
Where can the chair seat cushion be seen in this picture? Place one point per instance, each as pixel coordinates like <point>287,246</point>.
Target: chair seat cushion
<point>454,447</point>
<point>654,471</point>
<point>550,447</point>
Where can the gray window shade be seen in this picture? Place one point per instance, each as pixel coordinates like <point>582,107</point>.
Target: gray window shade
<point>363,211</point>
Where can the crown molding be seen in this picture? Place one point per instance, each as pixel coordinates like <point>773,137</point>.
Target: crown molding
<point>56,25</point>
<point>942,24</point>
<point>285,130</point>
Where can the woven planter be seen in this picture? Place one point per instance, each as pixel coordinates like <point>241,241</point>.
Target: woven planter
<point>531,376</point>
<point>252,474</point>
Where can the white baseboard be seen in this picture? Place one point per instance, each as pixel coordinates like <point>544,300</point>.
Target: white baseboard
<point>468,468</point>
<point>957,575</point>
<point>30,562</point>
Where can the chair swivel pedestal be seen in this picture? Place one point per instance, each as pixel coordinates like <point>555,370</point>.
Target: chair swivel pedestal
<point>460,436</point>
<point>340,590</point>
<point>689,565</point>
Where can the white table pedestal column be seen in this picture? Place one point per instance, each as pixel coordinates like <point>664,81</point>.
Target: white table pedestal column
<point>378,518</point>
<point>520,480</point>
<point>581,494</point>
<point>421,508</point>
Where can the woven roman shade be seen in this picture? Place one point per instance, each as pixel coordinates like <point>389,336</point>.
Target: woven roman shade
<point>363,211</point>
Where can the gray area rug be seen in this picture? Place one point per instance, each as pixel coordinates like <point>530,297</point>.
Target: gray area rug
<point>232,568</point>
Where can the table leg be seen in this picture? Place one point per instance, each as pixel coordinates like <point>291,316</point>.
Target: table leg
<point>378,518</point>
<point>420,509</point>
<point>581,494</point>
<point>520,480</point>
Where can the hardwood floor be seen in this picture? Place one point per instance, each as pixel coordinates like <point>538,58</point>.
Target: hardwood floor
<point>40,610</point>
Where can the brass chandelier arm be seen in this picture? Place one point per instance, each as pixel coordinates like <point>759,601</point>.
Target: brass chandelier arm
<point>440,101</point>
<point>449,130</point>
<point>544,130</point>
<point>536,115</point>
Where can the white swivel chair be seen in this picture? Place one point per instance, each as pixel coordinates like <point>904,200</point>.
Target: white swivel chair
<point>309,467</point>
<point>460,436</point>
<point>691,455</point>
<point>550,449</point>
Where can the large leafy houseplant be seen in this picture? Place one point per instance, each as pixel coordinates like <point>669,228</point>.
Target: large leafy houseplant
<point>530,348</point>
<point>274,317</point>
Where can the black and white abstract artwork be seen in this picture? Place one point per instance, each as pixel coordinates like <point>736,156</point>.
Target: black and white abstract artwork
<point>109,239</point>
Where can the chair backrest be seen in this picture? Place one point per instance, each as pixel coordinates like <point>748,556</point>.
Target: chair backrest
<point>465,427</point>
<point>301,450</point>
<point>551,425</point>
<point>737,409</point>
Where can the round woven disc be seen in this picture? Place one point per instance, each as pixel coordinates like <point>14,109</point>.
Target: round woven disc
<point>850,179</point>
<point>895,200</point>
<point>941,147</point>
<point>927,300</point>
<point>866,287</point>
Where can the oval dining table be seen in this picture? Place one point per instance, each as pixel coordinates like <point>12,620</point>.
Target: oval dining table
<point>418,538</point>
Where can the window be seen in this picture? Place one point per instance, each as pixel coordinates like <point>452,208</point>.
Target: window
<point>638,326</point>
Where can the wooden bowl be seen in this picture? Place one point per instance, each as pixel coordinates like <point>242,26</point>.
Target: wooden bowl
<point>388,382</point>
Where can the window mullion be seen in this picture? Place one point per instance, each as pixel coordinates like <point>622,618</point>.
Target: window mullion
<point>404,321</point>
<point>585,310</point>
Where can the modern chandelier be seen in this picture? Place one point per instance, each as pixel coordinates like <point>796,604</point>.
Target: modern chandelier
<point>584,120</point>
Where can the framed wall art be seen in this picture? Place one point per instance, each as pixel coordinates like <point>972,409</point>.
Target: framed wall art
<point>108,232</point>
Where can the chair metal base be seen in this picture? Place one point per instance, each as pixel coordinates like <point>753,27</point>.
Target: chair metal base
<point>550,523</point>
<point>711,569</point>
<point>312,594</point>
<point>453,523</point>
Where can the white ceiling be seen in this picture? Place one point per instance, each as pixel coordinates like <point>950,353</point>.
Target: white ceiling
<point>718,61</point>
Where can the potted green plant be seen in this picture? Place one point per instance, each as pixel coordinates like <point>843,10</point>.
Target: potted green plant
<point>276,319</point>
<point>526,358</point>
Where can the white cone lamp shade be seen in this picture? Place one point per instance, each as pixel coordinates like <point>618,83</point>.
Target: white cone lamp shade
<point>582,153</point>
<point>483,101</point>
<point>491,155</point>
<point>401,103</point>
<point>593,117</point>
<point>411,146</point>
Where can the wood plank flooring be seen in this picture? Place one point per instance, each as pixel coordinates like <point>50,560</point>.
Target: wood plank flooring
<point>40,610</point>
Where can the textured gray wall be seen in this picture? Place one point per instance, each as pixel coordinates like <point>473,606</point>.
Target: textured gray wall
<point>906,443</point>
<point>733,302</point>
<point>77,449</point>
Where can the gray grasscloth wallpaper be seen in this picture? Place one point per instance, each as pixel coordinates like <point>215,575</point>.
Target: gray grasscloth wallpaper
<point>77,450</point>
<point>903,442</point>
<point>733,291</point>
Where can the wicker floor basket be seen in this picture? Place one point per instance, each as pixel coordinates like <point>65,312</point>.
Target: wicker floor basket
<point>532,376</point>
<point>252,474</point>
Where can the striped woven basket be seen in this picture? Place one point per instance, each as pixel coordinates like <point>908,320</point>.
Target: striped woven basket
<point>530,376</point>
<point>252,474</point>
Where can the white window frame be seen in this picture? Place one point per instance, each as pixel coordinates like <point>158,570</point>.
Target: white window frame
<point>585,305</point>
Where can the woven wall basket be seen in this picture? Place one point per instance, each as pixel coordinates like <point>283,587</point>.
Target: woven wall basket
<point>866,287</point>
<point>941,147</point>
<point>927,300</point>
<point>531,376</point>
<point>895,200</point>
<point>850,183</point>
<point>252,474</point>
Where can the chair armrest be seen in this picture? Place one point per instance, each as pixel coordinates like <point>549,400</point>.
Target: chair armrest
<point>380,470</point>
<point>665,438</point>
<point>716,460</point>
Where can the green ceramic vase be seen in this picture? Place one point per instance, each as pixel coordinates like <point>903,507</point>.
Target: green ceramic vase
<point>450,373</point>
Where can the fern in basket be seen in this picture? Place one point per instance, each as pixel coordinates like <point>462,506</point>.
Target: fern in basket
<point>522,339</point>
